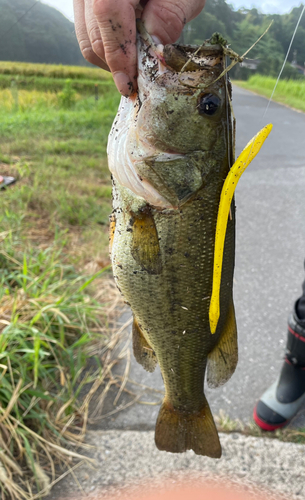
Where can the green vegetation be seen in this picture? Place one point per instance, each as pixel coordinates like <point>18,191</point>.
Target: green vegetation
<point>243,28</point>
<point>54,84</point>
<point>53,71</point>
<point>287,92</point>
<point>50,326</point>
<point>227,425</point>
<point>55,296</point>
<point>53,78</point>
<point>56,145</point>
<point>43,34</point>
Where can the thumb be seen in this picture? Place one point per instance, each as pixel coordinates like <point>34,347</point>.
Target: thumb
<point>166,18</point>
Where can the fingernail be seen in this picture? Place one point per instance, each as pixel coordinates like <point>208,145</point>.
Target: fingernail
<point>123,83</point>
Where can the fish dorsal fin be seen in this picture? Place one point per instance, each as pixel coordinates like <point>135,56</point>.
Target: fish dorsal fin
<point>142,351</point>
<point>223,359</point>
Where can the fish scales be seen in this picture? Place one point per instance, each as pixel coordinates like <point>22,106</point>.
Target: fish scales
<point>169,161</point>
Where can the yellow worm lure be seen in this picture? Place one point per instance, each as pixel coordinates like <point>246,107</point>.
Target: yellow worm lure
<point>235,173</point>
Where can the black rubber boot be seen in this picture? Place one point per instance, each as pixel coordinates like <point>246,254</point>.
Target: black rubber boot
<point>284,398</point>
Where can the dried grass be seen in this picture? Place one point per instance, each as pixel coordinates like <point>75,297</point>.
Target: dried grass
<point>52,321</point>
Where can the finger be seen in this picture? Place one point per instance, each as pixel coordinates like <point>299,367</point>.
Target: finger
<point>117,24</point>
<point>93,31</point>
<point>83,37</point>
<point>167,18</point>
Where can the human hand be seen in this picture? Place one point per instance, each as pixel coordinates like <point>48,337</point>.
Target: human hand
<point>106,31</point>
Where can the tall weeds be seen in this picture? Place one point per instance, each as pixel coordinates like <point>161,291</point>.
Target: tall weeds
<point>51,323</point>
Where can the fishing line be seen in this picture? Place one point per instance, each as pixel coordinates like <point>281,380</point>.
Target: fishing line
<point>285,60</point>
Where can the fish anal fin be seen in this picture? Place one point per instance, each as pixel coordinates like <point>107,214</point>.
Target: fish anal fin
<point>143,352</point>
<point>223,359</point>
<point>178,431</point>
<point>145,243</point>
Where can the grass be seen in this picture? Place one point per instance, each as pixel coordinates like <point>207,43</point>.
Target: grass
<point>53,78</point>
<point>227,425</point>
<point>58,154</point>
<point>51,324</point>
<point>54,71</point>
<point>289,92</point>
<point>45,84</point>
<point>56,296</point>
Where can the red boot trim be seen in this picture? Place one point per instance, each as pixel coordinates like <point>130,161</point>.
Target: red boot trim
<point>264,426</point>
<point>296,334</point>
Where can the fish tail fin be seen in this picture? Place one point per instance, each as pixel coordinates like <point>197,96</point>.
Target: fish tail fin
<point>178,431</point>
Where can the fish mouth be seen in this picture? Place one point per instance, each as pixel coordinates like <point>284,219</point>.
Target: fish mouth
<point>179,58</point>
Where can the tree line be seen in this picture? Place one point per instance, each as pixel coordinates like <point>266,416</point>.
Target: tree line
<point>243,27</point>
<point>41,34</point>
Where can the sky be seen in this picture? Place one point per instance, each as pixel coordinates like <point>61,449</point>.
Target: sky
<point>266,6</point>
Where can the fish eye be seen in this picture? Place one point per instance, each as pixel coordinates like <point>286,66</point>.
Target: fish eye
<point>208,104</point>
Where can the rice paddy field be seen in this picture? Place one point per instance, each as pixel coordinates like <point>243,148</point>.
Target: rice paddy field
<point>57,298</point>
<point>289,92</point>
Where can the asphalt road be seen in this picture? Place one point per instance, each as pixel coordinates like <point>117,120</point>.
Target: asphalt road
<point>269,263</point>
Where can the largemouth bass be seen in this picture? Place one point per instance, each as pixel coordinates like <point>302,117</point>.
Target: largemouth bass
<point>170,150</point>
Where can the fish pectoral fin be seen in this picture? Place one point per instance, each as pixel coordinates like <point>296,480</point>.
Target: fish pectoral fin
<point>112,222</point>
<point>178,431</point>
<point>142,351</point>
<point>145,247</point>
<point>223,359</point>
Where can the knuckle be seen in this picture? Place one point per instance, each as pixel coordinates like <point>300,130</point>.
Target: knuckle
<point>98,47</point>
<point>172,20</point>
<point>87,52</point>
<point>175,17</point>
<point>114,49</point>
<point>114,54</point>
<point>92,29</point>
<point>93,33</point>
